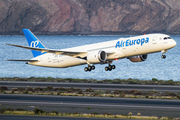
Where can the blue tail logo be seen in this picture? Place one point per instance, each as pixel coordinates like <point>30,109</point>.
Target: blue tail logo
<point>33,42</point>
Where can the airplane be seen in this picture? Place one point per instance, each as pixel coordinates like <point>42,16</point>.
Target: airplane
<point>136,49</point>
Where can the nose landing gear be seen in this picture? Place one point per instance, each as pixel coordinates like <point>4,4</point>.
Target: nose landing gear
<point>163,56</point>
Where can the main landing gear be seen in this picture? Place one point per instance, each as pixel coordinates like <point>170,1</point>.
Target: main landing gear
<point>89,68</point>
<point>110,67</point>
<point>163,56</point>
<point>92,67</point>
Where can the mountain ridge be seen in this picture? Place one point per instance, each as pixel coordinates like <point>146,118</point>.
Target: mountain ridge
<point>90,16</point>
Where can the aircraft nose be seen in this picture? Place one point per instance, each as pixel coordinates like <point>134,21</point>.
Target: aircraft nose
<point>173,43</point>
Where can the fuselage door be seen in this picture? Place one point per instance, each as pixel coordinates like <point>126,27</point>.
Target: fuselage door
<point>154,40</point>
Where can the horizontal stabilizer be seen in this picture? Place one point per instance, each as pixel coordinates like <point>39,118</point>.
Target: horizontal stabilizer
<point>24,60</point>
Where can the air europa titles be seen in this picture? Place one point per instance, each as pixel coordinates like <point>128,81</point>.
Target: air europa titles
<point>131,42</point>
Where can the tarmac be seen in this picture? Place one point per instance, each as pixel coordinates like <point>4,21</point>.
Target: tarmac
<point>94,86</point>
<point>147,107</point>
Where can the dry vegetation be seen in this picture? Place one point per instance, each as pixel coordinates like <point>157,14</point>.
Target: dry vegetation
<point>37,111</point>
<point>90,92</point>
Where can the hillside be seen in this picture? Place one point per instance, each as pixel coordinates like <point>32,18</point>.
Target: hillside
<point>90,16</point>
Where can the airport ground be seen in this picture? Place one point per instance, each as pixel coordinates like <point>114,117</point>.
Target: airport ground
<point>72,104</point>
<point>91,89</point>
<point>94,86</point>
<point>83,104</point>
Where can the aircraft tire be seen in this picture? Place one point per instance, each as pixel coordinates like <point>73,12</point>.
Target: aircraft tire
<point>93,67</point>
<point>89,67</point>
<point>86,69</point>
<point>113,67</point>
<point>110,67</point>
<point>163,56</point>
<point>106,68</point>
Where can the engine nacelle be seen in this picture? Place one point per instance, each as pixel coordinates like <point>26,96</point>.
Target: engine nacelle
<point>97,56</point>
<point>138,58</point>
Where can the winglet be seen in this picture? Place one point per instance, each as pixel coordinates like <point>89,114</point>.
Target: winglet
<point>33,42</point>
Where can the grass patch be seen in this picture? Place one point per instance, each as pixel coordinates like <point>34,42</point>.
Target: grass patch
<point>37,111</point>
<point>93,93</point>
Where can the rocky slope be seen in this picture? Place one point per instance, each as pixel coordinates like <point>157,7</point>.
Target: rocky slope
<point>90,16</point>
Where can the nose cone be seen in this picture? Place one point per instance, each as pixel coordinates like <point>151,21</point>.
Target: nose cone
<point>173,43</point>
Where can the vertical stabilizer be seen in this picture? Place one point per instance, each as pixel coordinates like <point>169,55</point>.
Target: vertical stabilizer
<point>33,42</point>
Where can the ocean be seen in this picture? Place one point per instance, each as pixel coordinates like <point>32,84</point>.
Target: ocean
<point>153,67</point>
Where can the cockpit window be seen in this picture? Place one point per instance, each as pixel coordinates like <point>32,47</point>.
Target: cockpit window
<point>167,38</point>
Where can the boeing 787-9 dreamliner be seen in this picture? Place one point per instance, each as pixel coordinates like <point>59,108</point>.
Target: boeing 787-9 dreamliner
<point>136,49</point>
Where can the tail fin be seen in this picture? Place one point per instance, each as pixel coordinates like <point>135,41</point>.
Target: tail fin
<point>33,42</point>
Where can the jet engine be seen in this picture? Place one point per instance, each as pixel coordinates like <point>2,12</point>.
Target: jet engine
<point>97,56</point>
<point>138,58</point>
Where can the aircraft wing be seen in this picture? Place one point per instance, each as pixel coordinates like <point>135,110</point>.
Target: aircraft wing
<point>78,54</point>
<point>57,52</point>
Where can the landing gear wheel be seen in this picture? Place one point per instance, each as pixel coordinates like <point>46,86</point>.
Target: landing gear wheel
<point>106,68</point>
<point>86,69</point>
<point>89,67</point>
<point>93,67</point>
<point>110,67</point>
<point>163,56</point>
<point>113,67</point>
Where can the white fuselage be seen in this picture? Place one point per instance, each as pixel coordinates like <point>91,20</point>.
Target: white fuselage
<point>121,48</point>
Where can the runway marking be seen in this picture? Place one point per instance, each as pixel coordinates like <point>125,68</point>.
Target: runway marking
<point>50,103</point>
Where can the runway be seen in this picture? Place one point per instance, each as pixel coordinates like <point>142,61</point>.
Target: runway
<point>51,100</point>
<point>100,104</point>
<point>95,86</point>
